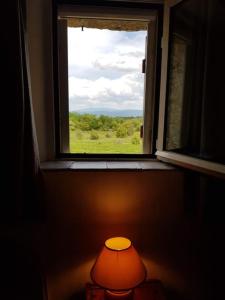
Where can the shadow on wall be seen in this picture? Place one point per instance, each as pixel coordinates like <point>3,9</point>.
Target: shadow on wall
<point>22,278</point>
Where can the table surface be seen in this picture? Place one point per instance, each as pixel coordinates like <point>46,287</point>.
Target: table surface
<point>150,290</point>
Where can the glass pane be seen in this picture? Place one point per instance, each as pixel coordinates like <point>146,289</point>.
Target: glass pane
<point>175,140</point>
<point>195,98</point>
<point>106,85</point>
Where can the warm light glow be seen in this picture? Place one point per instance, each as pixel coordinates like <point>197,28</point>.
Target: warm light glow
<point>118,243</point>
<point>118,266</point>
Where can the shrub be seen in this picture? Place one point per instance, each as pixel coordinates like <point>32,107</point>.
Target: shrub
<point>94,135</point>
<point>108,135</point>
<point>135,140</point>
<point>130,130</point>
<point>79,135</point>
<point>121,132</point>
<point>72,125</point>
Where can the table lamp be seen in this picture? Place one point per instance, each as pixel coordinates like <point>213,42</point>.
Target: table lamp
<point>118,269</point>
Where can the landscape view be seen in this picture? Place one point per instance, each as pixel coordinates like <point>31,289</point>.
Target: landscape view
<point>106,88</point>
<point>93,133</point>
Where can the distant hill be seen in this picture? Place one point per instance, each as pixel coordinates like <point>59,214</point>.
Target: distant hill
<point>112,112</point>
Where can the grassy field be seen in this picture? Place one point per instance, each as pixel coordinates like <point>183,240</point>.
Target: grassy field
<point>103,134</point>
<point>103,144</point>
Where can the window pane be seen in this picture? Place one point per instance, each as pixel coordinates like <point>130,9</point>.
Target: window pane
<point>195,96</point>
<point>106,85</point>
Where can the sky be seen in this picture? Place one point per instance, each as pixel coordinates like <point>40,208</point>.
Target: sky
<point>105,69</point>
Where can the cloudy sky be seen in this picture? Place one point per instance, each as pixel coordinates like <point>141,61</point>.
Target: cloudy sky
<point>105,69</point>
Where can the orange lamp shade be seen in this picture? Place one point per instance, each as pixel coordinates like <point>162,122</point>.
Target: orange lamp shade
<point>118,266</point>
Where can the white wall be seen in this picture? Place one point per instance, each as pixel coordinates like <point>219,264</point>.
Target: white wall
<point>39,26</point>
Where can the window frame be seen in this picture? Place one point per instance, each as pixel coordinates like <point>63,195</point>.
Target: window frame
<point>109,10</point>
<point>186,161</point>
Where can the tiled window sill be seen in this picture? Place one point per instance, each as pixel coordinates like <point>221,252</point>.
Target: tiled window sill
<point>105,165</point>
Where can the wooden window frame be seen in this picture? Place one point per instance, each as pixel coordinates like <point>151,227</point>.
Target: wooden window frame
<point>151,15</point>
<point>182,160</point>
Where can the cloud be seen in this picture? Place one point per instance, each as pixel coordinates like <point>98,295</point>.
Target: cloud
<point>134,53</point>
<point>121,93</point>
<point>94,72</point>
<point>105,69</point>
<point>119,63</point>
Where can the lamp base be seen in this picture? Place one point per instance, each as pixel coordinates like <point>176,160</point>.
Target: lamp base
<point>125,295</point>
<point>150,289</point>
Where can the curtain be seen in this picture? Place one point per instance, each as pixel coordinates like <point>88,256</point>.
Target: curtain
<point>21,195</point>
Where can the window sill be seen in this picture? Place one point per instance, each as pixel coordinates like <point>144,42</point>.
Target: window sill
<point>196,164</point>
<point>106,165</point>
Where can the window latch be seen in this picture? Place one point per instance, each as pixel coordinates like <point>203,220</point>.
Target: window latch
<point>143,65</point>
<point>141,131</point>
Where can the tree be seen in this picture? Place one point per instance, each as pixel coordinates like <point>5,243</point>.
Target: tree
<point>121,132</point>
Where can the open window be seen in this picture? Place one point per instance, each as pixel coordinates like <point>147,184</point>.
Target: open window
<point>192,106</point>
<point>105,81</point>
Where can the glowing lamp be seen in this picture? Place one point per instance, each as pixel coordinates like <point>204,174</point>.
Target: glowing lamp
<point>118,268</point>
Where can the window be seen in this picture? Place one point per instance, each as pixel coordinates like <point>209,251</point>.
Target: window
<point>106,81</point>
<point>192,107</point>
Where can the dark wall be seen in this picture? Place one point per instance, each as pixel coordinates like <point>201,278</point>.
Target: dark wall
<point>21,276</point>
<point>213,234</point>
<point>204,197</point>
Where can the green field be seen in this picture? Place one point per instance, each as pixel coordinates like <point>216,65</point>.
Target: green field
<point>103,134</point>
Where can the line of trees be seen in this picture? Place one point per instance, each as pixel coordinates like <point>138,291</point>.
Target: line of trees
<point>122,126</point>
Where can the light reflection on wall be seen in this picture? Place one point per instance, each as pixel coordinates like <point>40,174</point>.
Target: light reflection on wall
<point>86,208</point>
